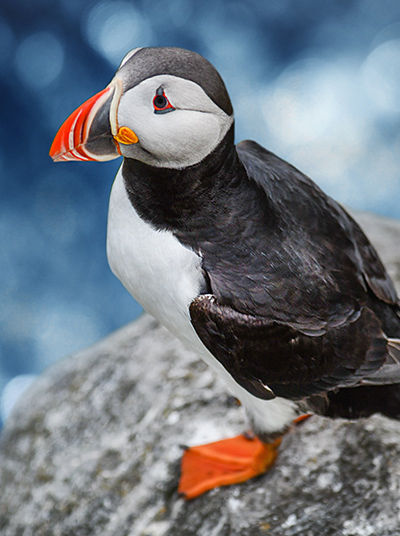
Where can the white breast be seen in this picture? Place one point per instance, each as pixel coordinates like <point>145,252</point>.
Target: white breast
<point>161,274</point>
<point>164,277</point>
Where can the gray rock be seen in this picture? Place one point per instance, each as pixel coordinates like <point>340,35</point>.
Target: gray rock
<point>94,449</point>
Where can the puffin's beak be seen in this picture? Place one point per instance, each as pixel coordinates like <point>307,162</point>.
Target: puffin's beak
<point>91,132</point>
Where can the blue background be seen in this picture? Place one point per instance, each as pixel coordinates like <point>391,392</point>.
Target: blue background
<point>316,82</point>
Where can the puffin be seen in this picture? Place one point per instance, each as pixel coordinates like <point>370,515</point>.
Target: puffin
<point>241,256</point>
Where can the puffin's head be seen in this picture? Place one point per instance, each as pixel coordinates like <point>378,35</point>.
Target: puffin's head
<point>167,107</point>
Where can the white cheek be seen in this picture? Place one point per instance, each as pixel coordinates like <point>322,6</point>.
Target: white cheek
<point>134,111</point>
<point>176,139</point>
<point>181,136</point>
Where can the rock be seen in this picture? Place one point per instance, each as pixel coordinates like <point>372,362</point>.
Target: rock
<point>94,449</point>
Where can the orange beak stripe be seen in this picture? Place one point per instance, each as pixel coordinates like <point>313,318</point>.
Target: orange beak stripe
<point>73,133</point>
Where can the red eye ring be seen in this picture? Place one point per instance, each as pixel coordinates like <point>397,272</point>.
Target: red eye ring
<point>161,104</point>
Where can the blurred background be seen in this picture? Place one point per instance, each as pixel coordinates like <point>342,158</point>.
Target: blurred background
<point>316,82</point>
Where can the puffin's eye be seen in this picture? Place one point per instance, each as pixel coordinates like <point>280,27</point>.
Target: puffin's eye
<point>161,103</point>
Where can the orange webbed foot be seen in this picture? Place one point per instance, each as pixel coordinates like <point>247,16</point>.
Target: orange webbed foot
<point>225,462</point>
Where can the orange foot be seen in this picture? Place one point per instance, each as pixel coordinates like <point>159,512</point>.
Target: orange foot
<point>224,462</point>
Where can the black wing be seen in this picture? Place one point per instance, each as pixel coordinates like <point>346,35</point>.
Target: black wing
<point>372,268</point>
<point>330,230</point>
<point>263,356</point>
<point>293,298</point>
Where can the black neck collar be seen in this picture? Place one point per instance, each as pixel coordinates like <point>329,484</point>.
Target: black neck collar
<point>183,200</point>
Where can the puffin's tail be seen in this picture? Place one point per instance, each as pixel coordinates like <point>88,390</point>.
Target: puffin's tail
<point>394,350</point>
<point>355,402</point>
<point>378,393</point>
<point>389,373</point>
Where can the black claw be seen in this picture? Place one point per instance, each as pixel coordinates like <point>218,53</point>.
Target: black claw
<point>184,447</point>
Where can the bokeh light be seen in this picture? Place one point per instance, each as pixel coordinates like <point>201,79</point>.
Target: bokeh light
<point>381,76</point>
<point>39,59</point>
<point>115,27</point>
<point>66,326</point>
<point>12,391</point>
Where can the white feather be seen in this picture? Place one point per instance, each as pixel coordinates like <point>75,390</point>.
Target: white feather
<point>128,56</point>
